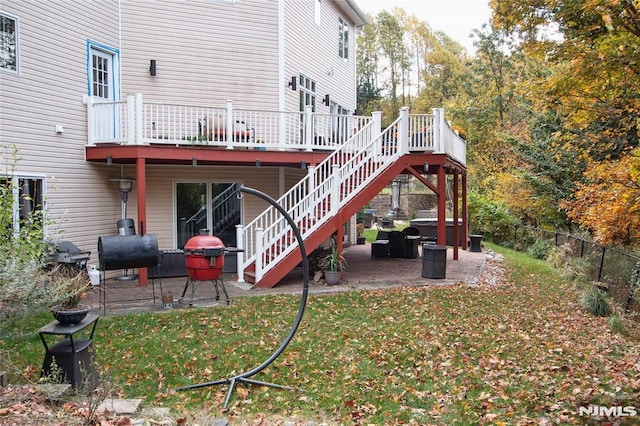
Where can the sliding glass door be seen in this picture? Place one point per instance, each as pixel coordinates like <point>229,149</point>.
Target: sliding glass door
<point>207,205</point>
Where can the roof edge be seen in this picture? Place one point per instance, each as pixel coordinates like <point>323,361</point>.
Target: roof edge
<point>351,8</point>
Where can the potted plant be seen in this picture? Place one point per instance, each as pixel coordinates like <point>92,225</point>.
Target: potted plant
<point>333,266</point>
<point>67,288</point>
<point>360,231</point>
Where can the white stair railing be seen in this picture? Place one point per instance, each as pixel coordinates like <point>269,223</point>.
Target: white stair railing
<point>317,198</point>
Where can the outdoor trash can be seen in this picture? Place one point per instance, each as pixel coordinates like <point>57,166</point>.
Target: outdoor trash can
<point>434,261</point>
<point>475,243</point>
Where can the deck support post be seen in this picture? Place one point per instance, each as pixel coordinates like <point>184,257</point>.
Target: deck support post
<point>442,207</point>
<point>141,183</point>
<point>456,219</point>
<point>465,214</point>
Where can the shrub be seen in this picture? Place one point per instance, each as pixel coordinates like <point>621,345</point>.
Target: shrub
<point>539,249</point>
<point>25,281</point>
<point>616,324</point>
<point>571,267</point>
<point>596,302</point>
<point>490,218</point>
<point>525,237</point>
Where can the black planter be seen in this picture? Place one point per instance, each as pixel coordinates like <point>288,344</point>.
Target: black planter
<point>70,316</point>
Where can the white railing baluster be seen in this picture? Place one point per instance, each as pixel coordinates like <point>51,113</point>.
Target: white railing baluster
<point>240,252</point>
<point>335,189</point>
<point>259,241</point>
<point>137,119</point>
<point>311,179</point>
<point>228,134</point>
<point>403,131</point>
<point>131,114</point>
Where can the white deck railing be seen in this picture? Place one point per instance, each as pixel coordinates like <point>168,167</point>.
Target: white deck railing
<point>134,122</point>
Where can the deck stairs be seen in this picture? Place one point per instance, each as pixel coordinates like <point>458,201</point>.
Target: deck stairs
<point>324,200</point>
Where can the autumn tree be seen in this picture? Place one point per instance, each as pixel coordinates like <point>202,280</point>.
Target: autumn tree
<point>594,85</point>
<point>608,201</point>
<point>393,48</point>
<point>445,76</point>
<point>367,70</point>
<point>497,116</point>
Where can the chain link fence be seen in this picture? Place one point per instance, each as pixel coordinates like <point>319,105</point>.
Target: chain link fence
<point>617,269</point>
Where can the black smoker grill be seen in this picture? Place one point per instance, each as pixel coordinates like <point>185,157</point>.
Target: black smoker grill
<point>127,252</point>
<point>204,259</point>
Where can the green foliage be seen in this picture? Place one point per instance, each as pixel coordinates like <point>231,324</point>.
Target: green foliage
<point>370,235</point>
<point>367,65</point>
<point>525,237</point>
<point>540,249</point>
<point>27,281</point>
<point>596,302</point>
<point>490,218</point>
<point>390,33</point>
<point>334,261</point>
<point>616,324</point>
<point>27,240</point>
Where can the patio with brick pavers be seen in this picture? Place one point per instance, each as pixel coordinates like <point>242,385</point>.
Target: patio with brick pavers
<point>363,272</point>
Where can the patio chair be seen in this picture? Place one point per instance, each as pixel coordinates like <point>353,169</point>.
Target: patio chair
<point>412,241</point>
<point>397,244</point>
<point>382,235</point>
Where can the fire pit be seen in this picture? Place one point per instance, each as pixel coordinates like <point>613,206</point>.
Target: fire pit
<point>204,260</point>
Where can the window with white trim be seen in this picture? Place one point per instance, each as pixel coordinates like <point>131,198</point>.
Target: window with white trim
<point>101,70</point>
<point>9,50</point>
<point>27,195</point>
<point>307,92</point>
<point>343,42</point>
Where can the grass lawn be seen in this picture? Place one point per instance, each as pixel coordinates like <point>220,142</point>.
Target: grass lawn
<point>521,353</point>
